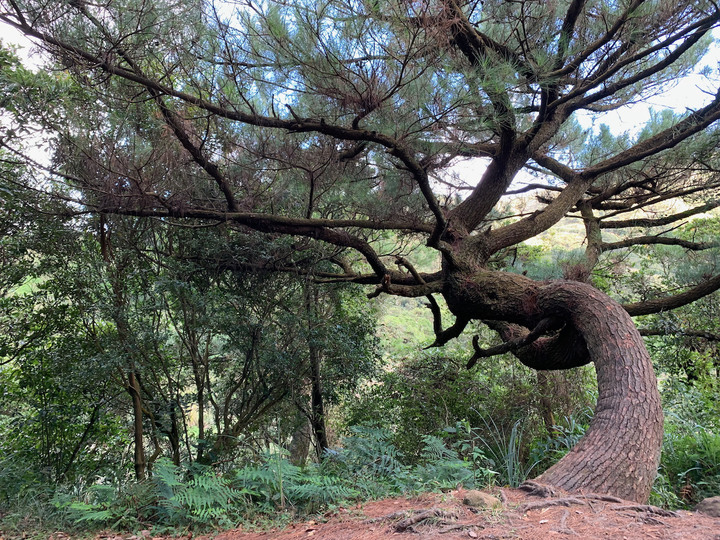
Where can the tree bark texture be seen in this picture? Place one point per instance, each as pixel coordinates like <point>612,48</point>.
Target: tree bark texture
<point>620,452</point>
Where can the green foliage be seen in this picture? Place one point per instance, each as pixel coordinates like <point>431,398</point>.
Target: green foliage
<point>275,484</point>
<point>546,451</point>
<point>367,465</point>
<point>429,391</point>
<point>690,459</point>
<point>202,497</point>
<point>102,506</point>
<point>372,460</point>
<point>173,497</point>
<point>376,468</point>
<point>442,467</point>
<point>505,451</point>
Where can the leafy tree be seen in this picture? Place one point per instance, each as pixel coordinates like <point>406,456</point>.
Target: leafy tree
<point>58,406</point>
<point>104,338</point>
<point>335,122</point>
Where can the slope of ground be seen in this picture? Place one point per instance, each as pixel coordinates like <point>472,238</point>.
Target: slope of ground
<point>522,516</point>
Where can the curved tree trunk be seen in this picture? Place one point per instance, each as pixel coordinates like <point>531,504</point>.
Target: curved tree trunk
<point>620,452</point>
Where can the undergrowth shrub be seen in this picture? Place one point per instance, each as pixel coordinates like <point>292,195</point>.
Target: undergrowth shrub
<point>430,391</point>
<point>690,461</point>
<point>370,460</point>
<point>548,450</point>
<point>274,483</point>
<point>194,496</point>
<point>197,497</point>
<point>689,466</point>
<point>173,498</point>
<point>100,505</point>
<point>441,467</point>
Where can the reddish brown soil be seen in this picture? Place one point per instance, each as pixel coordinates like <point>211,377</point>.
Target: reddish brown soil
<point>522,517</point>
<point>583,518</point>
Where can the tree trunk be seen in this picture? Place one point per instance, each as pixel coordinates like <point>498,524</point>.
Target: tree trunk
<point>545,402</point>
<point>299,446</point>
<point>174,435</point>
<point>139,457</point>
<point>620,452</point>
<point>317,405</point>
<point>317,411</point>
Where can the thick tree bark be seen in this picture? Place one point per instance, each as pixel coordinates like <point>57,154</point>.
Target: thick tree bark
<point>620,452</point>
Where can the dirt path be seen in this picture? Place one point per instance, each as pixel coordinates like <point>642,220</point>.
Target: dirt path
<point>524,517</point>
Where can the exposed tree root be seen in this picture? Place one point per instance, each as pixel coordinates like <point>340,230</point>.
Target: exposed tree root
<point>565,501</point>
<point>603,498</point>
<point>537,489</point>
<point>645,518</point>
<point>407,523</point>
<point>388,517</point>
<point>647,509</point>
<point>564,529</point>
<point>407,520</point>
<point>460,527</point>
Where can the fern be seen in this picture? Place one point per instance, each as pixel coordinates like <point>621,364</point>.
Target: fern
<point>265,482</point>
<point>90,513</point>
<point>98,506</point>
<point>204,498</point>
<point>370,451</point>
<point>441,467</point>
<point>166,477</point>
<point>313,491</point>
<point>435,449</point>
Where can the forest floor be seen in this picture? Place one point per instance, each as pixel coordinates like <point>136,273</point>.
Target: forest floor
<point>444,516</point>
<point>521,516</point>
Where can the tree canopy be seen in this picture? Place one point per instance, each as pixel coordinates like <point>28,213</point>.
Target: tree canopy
<point>332,128</point>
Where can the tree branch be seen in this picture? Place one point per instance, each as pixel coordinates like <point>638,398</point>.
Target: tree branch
<point>512,345</point>
<point>659,222</point>
<point>668,138</point>
<point>565,350</point>
<point>671,302</point>
<point>294,125</point>
<point>658,240</point>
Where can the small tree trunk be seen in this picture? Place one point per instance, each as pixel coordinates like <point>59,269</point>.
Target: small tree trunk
<point>199,376</point>
<point>545,401</point>
<point>174,435</point>
<point>317,407</point>
<point>139,457</point>
<point>317,414</point>
<point>299,446</point>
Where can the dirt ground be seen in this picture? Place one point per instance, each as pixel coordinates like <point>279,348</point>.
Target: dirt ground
<point>518,515</point>
<point>522,516</point>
